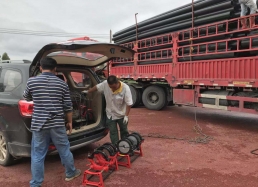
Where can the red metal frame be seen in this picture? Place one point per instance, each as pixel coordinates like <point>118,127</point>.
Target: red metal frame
<point>155,57</point>
<point>127,163</point>
<point>142,44</point>
<point>174,40</point>
<point>237,40</point>
<point>225,24</point>
<point>97,167</point>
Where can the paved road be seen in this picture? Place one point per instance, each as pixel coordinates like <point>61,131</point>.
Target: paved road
<point>225,161</point>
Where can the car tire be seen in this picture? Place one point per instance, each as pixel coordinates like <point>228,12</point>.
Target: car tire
<point>154,98</point>
<point>136,95</point>
<point>6,158</point>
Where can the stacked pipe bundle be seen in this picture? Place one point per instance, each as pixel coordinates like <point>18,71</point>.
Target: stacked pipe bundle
<point>157,44</point>
<point>205,12</point>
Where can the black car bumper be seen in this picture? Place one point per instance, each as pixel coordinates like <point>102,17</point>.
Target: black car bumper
<point>24,150</point>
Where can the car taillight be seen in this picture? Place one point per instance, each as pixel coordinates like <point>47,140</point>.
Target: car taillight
<point>26,108</point>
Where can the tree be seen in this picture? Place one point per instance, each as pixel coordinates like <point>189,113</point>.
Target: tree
<point>5,56</point>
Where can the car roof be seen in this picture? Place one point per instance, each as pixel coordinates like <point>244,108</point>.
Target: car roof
<point>14,65</point>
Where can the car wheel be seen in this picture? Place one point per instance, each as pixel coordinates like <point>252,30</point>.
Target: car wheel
<point>136,95</point>
<point>6,158</point>
<point>154,98</point>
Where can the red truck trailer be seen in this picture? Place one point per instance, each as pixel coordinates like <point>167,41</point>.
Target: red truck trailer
<point>170,68</point>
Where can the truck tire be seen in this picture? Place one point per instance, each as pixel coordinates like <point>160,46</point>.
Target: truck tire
<point>6,158</point>
<point>154,98</point>
<point>136,95</point>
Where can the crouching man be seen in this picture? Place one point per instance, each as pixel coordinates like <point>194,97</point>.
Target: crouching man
<point>118,104</point>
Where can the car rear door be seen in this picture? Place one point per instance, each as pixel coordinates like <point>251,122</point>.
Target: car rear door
<point>91,53</point>
<point>12,84</point>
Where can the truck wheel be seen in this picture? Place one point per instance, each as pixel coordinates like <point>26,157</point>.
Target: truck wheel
<point>6,158</point>
<point>154,98</point>
<point>136,95</point>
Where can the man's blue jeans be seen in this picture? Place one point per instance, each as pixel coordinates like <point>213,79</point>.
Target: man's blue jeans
<point>39,148</point>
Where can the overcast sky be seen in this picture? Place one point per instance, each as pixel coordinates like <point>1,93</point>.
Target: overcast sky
<point>89,17</point>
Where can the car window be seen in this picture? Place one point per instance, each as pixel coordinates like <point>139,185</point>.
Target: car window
<point>9,80</point>
<point>61,76</point>
<point>81,79</point>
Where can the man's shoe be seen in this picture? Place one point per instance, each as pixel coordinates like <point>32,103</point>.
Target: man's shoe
<point>76,174</point>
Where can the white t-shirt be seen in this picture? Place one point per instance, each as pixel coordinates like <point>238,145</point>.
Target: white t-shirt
<point>116,103</point>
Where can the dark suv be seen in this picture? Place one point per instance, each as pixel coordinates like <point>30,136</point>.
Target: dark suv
<point>75,62</point>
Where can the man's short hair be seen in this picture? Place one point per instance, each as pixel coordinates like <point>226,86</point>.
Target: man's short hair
<point>48,63</point>
<point>112,79</point>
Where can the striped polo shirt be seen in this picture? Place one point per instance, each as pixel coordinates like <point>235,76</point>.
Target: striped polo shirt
<point>51,98</point>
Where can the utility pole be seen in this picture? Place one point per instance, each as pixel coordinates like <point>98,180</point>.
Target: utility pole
<point>192,13</point>
<point>108,63</point>
<point>191,36</point>
<point>136,24</point>
<point>110,35</point>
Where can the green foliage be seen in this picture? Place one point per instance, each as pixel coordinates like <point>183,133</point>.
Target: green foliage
<point>5,56</point>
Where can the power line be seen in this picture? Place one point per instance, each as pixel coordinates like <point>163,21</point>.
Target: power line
<point>52,35</point>
<point>49,32</point>
<point>34,34</point>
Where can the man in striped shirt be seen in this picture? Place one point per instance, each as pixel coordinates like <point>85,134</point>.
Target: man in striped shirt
<point>52,104</point>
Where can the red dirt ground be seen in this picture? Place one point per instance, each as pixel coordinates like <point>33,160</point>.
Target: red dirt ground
<point>225,161</point>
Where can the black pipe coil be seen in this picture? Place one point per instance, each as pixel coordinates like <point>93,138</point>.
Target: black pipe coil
<point>167,25</point>
<point>182,25</point>
<point>179,11</point>
<point>217,7</point>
